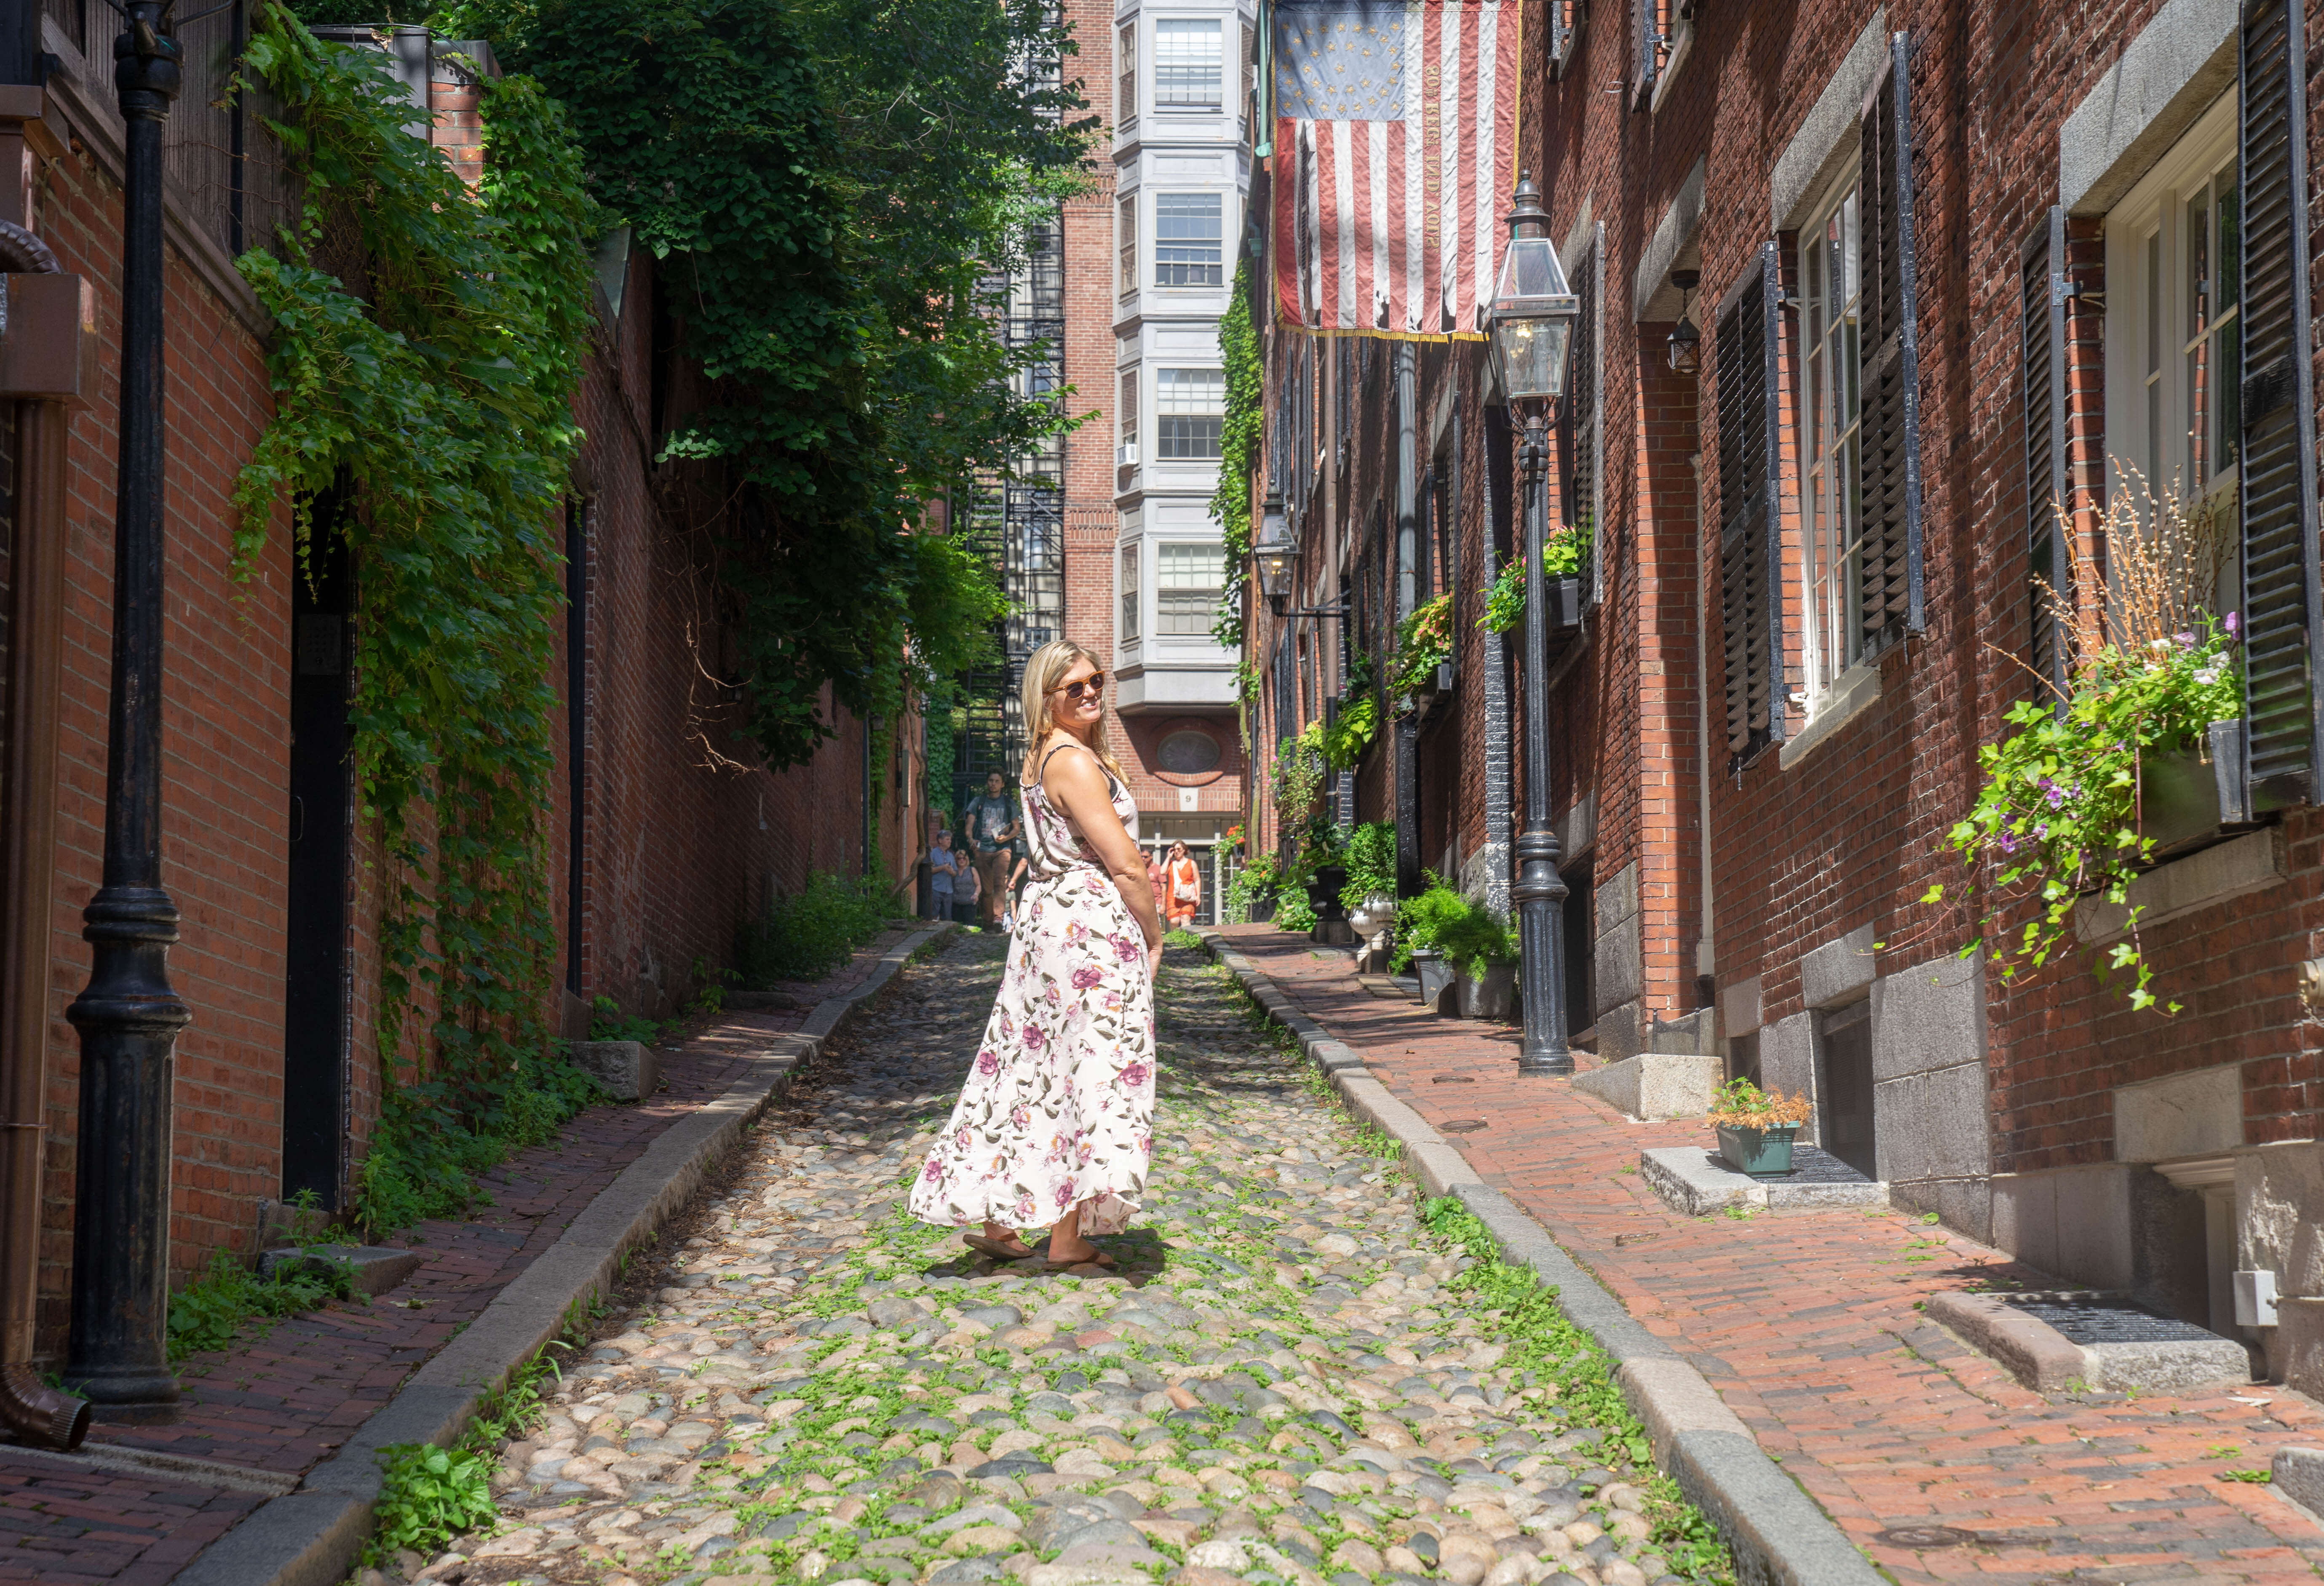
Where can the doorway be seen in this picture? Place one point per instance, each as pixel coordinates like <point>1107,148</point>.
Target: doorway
<point>1845,1098</point>
<point>322,820</point>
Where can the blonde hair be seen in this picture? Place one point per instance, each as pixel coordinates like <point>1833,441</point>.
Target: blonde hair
<point>1044,669</point>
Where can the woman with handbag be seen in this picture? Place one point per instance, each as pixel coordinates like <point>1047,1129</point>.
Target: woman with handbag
<point>1183,880</point>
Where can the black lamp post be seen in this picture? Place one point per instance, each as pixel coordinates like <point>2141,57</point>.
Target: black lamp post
<point>1533,334</point>
<point>1272,552</point>
<point>127,1015</point>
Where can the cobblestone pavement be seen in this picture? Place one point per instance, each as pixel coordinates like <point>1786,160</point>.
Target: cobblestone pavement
<point>1286,1382</point>
<point>1808,1324</point>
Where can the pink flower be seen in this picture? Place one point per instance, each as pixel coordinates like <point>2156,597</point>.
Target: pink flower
<point>1128,950</point>
<point>1064,1194</point>
<point>960,1140</point>
<point>987,1062</point>
<point>1019,1118</point>
<point>1034,1038</point>
<point>1086,976</point>
<point>1134,1074</point>
<point>1025,1209</point>
<point>1076,932</point>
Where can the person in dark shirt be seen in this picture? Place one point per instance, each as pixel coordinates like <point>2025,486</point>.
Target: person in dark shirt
<point>992,822</point>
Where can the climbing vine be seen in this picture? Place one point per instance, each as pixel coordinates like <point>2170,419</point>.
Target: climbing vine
<point>1239,439</point>
<point>830,189</point>
<point>426,420</point>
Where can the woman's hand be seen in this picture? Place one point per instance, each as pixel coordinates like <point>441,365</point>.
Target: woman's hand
<point>1154,963</point>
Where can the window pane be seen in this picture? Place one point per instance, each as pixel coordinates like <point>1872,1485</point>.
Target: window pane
<point>1187,582</point>
<point>1128,592</point>
<point>1186,60</point>
<point>1125,87</point>
<point>1187,232</point>
<point>1189,405</point>
<point>1127,209</point>
<point>1130,407</point>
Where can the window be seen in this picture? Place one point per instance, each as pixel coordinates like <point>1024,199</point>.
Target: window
<point>2174,325</point>
<point>1187,232</point>
<point>1187,62</point>
<point>1189,753</point>
<point>1127,241</point>
<point>1188,580</point>
<point>1125,81</point>
<point>1130,407</point>
<point>1189,406</point>
<point>1833,499</point>
<point>1130,594</point>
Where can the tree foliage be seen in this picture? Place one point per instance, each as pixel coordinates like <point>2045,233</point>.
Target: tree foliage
<point>827,185</point>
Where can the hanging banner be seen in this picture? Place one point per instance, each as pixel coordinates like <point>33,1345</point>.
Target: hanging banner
<point>1395,143</point>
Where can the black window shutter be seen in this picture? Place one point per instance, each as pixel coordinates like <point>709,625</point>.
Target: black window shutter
<point>1645,50</point>
<point>1746,343</point>
<point>1561,34</point>
<point>1890,562</point>
<point>1581,416</point>
<point>2278,484</point>
<point>2042,364</point>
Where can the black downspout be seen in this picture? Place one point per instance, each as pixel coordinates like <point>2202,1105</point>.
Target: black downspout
<point>1407,599</point>
<point>127,1015</point>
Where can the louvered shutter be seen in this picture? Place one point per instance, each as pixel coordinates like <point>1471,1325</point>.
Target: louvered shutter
<point>1889,564</point>
<point>1582,416</point>
<point>1561,34</point>
<point>2278,459</point>
<point>2042,364</point>
<point>1649,39</point>
<point>1750,526</point>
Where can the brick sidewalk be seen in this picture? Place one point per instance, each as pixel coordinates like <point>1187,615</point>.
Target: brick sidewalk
<point>281,1403</point>
<point>1807,1323</point>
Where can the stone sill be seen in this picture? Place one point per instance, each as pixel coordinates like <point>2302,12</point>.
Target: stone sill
<point>1852,693</point>
<point>2251,862</point>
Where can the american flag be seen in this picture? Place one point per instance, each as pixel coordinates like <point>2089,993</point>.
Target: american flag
<point>1395,135</point>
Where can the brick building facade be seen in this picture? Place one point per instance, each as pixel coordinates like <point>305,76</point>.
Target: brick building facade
<point>2051,251</point>
<point>678,843</point>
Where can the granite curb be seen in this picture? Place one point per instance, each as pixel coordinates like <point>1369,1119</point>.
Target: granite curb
<point>311,1537</point>
<point>1778,1535</point>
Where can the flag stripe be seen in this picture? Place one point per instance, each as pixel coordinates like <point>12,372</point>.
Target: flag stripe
<point>1391,220</point>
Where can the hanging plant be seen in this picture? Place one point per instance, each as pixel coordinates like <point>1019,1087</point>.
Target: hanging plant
<point>1561,555</point>
<point>1424,642</point>
<point>2058,818</point>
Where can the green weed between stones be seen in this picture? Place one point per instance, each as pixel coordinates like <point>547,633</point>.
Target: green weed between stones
<point>1523,1312</point>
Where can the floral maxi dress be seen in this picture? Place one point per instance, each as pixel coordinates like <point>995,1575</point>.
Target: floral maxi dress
<point>1058,1108</point>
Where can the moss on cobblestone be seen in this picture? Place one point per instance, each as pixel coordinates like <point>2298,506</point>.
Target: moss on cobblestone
<point>1293,1379</point>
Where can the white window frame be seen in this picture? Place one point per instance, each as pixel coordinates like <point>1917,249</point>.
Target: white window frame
<point>1166,380</point>
<point>1125,77</point>
<point>1161,244</point>
<point>1129,596</point>
<point>1167,27</point>
<point>1125,245</point>
<point>1209,614</point>
<point>2154,342</point>
<point>1831,419</point>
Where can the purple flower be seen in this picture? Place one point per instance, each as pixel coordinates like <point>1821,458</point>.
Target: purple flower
<point>987,1063</point>
<point>2233,625</point>
<point>1086,976</point>
<point>1128,950</point>
<point>1035,1038</point>
<point>1064,1194</point>
<point>1133,1074</point>
<point>2186,641</point>
<point>933,1171</point>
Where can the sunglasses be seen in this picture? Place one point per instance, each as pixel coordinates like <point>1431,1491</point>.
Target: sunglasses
<point>1089,687</point>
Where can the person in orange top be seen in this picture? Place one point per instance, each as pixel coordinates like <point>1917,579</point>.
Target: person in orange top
<point>1183,879</point>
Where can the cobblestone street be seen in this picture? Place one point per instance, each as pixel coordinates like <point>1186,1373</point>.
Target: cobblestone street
<point>1285,1381</point>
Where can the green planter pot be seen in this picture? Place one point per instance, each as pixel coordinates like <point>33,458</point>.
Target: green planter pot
<point>1763,1153</point>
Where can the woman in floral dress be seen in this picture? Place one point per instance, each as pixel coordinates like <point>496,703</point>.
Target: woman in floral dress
<point>1056,1120</point>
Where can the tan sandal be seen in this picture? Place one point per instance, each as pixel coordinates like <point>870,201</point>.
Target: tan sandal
<point>996,1249</point>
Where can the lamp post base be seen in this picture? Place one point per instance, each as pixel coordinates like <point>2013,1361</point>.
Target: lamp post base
<point>1540,894</point>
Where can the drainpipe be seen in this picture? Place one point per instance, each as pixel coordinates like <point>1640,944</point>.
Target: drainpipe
<point>37,1414</point>
<point>1408,597</point>
<point>1706,954</point>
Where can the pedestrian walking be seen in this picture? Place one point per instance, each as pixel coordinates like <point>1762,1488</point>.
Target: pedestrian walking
<point>965,888</point>
<point>1183,878</point>
<point>1056,1119</point>
<point>991,822</point>
<point>1157,882</point>
<point>942,871</point>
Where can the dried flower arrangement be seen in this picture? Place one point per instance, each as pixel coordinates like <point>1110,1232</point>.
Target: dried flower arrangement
<point>1740,1104</point>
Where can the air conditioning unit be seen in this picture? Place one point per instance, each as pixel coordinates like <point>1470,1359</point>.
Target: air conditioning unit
<point>1125,456</point>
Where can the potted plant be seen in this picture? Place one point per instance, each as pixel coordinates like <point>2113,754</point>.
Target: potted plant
<point>1423,645</point>
<point>1482,948</point>
<point>2153,690</point>
<point>1421,926</point>
<point>1755,1127</point>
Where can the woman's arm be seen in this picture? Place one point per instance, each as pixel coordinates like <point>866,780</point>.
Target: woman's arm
<point>1076,785</point>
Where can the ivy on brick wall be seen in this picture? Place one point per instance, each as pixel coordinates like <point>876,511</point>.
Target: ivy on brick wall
<point>1239,439</point>
<point>831,187</point>
<point>436,404</point>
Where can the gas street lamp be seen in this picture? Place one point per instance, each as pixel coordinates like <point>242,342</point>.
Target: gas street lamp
<point>1273,553</point>
<point>1533,317</point>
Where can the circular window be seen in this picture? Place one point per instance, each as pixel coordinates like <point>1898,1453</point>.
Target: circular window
<point>1189,753</point>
